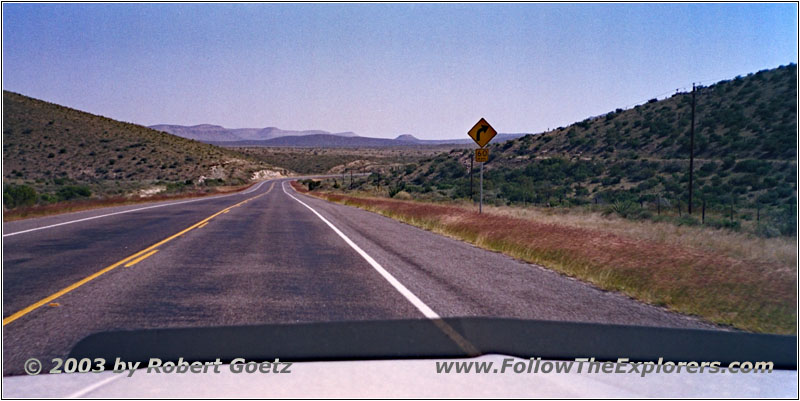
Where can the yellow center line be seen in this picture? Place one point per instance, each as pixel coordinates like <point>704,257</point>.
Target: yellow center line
<point>141,258</point>
<point>105,270</point>
<point>202,225</point>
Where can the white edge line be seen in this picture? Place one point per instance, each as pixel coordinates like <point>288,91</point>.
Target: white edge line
<point>427,311</point>
<point>133,210</point>
<point>88,389</point>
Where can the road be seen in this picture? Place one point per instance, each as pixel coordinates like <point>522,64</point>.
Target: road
<point>269,255</point>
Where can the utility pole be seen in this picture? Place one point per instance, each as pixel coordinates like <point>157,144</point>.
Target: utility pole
<point>471,159</point>
<point>691,153</point>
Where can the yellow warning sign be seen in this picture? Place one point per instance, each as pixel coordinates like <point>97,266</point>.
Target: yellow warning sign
<point>481,155</point>
<point>482,133</point>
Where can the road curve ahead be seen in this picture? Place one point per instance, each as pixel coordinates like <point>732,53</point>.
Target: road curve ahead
<point>268,255</point>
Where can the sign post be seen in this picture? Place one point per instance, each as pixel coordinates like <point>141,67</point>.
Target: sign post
<point>480,205</point>
<point>482,133</point>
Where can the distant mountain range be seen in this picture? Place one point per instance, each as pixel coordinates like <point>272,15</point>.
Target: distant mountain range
<point>216,133</point>
<point>272,136</point>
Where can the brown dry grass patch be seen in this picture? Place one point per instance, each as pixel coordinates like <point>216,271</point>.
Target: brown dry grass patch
<point>748,293</point>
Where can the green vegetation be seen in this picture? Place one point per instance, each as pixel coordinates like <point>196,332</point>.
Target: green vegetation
<point>340,160</point>
<point>18,195</point>
<point>74,191</point>
<point>634,163</point>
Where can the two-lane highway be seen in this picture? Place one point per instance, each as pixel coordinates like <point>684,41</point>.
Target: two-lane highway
<point>267,256</point>
<point>44,255</point>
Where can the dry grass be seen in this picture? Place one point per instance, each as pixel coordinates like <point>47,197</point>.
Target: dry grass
<point>88,204</point>
<point>739,245</point>
<point>752,288</point>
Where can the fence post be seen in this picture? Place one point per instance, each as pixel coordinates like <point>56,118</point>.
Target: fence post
<point>704,212</point>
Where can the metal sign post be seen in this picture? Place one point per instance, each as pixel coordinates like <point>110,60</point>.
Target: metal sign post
<point>480,206</point>
<point>481,156</point>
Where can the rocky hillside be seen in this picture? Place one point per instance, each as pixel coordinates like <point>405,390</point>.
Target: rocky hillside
<point>47,146</point>
<point>752,117</point>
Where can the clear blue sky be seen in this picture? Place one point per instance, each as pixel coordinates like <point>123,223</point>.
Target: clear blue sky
<point>381,69</point>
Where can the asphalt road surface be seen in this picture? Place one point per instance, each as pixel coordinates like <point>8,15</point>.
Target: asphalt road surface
<point>268,255</point>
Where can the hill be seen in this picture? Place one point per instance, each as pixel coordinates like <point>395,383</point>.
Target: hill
<point>636,160</point>
<point>751,117</point>
<point>276,137</point>
<point>313,141</point>
<point>50,147</point>
<point>202,132</point>
<point>411,139</point>
<point>216,133</point>
<point>338,141</point>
